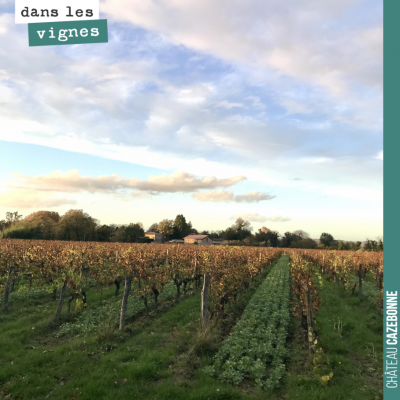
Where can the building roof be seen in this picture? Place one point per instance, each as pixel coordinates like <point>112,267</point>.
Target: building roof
<point>196,237</point>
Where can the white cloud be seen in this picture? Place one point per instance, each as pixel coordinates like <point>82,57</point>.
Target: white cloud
<point>278,218</point>
<point>228,105</point>
<point>251,217</point>
<point>72,181</point>
<point>32,199</point>
<point>301,40</point>
<point>216,196</point>
<point>253,197</point>
<point>228,195</point>
<point>183,182</point>
<point>255,217</point>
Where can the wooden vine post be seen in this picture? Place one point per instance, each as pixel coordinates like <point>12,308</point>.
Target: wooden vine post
<point>309,307</point>
<point>360,281</point>
<point>204,299</point>
<point>127,289</point>
<point>310,335</point>
<point>62,297</point>
<point>196,283</point>
<point>8,290</point>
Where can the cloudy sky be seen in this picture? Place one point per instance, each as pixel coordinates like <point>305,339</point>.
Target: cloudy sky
<point>266,109</point>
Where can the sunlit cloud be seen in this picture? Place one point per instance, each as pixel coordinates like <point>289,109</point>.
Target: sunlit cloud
<point>16,199</point>
<point>72,181</point>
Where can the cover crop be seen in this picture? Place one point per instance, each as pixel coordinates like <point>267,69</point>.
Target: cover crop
<point>256,347</point>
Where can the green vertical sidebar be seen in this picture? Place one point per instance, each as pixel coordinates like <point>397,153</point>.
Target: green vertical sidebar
<point>391,219</point>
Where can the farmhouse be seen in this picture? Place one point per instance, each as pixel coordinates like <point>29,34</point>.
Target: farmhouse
<point>157,237</point>
<point>199,239</point>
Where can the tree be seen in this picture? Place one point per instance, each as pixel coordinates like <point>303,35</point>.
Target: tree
<point>181,227</point>
<point>354,245</point>
<point>215,234</point>
<point>305,243</point>
<point>44,223</point>
<point>119,234</point>
<point>230,234</point>
<point>132,233</point>
<point>266,235</point>
<point>373,245</point>
<point>242,228</point>
<point>20,230</point>
<point>12,217</point>
<point>290,238</point>
<point>301,234</point>
<point>38,215</point>
<point>140,224</point>
<point>3,225</point>
<point>192,231</point>
<point>166,227</point>
<point>153,227</point>
<point>76,225</point>
<point>252,241</point>
<point>327,240</point>
<point>13,227</point>
<point>343,245</point>
<point>104,233</point>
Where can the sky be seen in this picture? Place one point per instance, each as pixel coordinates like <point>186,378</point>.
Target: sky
<point>262,109</point>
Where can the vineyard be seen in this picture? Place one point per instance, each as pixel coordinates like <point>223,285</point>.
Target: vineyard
<point>89,320</point>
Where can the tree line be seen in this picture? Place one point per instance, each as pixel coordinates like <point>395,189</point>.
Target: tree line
<point>78,225</point>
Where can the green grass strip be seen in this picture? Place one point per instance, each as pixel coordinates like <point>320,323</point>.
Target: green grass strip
<point>256,347</point>
<point>370,290</point>
<point>109,312</point>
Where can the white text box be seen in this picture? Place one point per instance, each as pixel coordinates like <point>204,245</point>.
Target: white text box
<point>31,11</point>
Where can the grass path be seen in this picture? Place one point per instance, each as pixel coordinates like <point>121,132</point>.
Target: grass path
<point>350,334</point>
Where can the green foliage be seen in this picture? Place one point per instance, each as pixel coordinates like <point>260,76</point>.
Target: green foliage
<point>305,243</point>
<point>259,338</point>
<point>107,314</point>
<point>181,227</point>
<point>23,292</point>
<point>104,233</point>
<point>370,290</point>
<point>327,240</point>
<point>21,230</point>
<point>266,235</point>
<point>166,226</point>
<point>325,379</point>
<point>132,233</point>
<point>153,227</point>
<point>76,225</point>
<point>373,245</point>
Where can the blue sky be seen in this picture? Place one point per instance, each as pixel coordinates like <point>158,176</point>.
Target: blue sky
<point>262,109</point>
